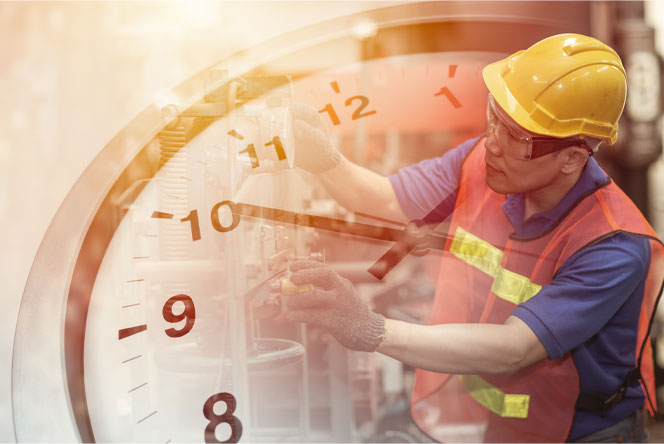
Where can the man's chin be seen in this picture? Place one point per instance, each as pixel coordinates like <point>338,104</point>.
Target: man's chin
<point>496,185</point>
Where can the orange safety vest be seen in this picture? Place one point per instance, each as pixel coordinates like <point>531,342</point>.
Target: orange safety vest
<point>492,271</point>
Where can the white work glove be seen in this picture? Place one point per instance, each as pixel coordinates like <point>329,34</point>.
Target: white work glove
<point>314,150</point>
<point>333,303</point>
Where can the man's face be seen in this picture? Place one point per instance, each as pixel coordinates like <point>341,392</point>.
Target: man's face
<point>506,174</point>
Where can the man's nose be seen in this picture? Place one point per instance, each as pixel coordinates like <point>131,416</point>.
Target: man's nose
<point>492,145</point>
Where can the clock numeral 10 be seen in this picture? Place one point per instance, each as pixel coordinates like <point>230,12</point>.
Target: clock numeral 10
<point>226,418</point>
<point>357,114</point>
<point>192,217</point>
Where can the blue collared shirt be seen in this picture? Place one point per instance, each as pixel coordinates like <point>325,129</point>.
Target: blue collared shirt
<point>591,307</point>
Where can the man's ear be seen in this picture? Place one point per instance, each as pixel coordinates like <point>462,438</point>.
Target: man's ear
<point>574,159</point>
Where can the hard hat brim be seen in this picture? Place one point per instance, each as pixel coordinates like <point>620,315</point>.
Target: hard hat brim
<point>493,78</point>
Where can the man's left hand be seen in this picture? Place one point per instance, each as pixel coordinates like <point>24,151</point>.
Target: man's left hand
<point>335,305</point>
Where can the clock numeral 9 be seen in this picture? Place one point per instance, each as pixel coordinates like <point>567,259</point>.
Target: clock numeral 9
<point>226,418</point>
<point>189,314</point>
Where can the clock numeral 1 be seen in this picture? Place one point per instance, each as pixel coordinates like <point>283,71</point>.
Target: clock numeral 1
<point>252,154</point>
<point>281,154</point>
<point>329,109</point>
<point>445,91</point>
<point>226,418</point>
<point>192,218</point>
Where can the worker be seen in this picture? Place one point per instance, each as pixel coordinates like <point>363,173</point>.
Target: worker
<point>540,326</point>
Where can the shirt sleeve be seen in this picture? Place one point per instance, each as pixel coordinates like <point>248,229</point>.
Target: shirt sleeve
<point>428,189</point>
<point>587,292</point>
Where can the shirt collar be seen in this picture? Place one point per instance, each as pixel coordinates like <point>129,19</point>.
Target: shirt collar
<point>514,205</point>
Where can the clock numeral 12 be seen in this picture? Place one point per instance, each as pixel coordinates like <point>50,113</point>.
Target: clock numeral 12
<point>357,114</point>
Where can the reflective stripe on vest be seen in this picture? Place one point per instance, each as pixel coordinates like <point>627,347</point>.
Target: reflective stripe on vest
<point>503,404</point>
<point>507,285</point>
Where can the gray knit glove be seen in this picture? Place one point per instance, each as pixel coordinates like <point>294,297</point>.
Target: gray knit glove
<point>335,305</point>
<point>314,150</point>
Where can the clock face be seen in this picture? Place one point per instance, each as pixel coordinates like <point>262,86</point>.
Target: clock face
<point>168,323</point>
<point>169,330</point>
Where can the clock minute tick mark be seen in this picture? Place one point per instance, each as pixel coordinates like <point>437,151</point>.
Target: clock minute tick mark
<point>131,359</point>
<point>130,331</point>
<point>451,70</point>
<point>235,134</point>
<point>137,387</point>
<point>160,215</point>
<point>141,420</point>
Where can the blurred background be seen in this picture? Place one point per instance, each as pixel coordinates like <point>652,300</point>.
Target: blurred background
<point>73,75</point>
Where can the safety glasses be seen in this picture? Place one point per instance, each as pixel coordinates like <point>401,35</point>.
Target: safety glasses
<point>516,142</point>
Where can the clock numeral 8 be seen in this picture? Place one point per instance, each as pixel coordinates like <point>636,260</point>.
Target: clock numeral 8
<point>226,418</point>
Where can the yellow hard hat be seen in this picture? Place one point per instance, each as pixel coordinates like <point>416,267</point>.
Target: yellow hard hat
<point>563,86</point>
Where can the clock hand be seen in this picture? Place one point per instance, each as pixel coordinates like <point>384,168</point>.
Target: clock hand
<point>406,239</point>
<point>429,240</point>
<point>393,256</point>
<point>380,219</point>
<point>390,259</point>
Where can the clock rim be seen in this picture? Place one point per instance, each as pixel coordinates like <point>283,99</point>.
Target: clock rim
<point>62,269</point>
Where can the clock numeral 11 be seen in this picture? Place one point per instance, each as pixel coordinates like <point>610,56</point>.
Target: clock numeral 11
<point>251,150</point>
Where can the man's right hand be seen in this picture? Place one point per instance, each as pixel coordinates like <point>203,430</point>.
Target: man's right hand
<point>354,187</point>
<point>314,150</point>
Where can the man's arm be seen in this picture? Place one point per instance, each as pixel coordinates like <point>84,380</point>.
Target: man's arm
<point>353,187</point>
<point>333,303</point>
<point>463,348</point>
<point>423,191</point>
<point>359,189</point>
